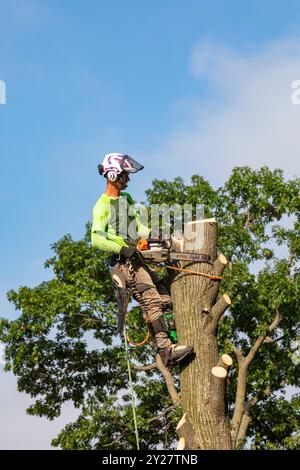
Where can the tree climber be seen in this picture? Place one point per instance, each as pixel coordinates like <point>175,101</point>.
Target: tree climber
<point>117,228</point>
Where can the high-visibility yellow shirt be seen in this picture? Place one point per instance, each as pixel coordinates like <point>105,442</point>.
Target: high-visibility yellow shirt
<point>116,223</point>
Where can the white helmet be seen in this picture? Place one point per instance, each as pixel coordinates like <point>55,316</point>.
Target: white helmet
<point>115,163</point>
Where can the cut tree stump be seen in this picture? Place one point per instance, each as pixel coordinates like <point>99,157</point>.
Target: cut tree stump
<point>221,369</point>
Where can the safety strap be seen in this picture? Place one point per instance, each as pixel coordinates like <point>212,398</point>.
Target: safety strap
<point>214,278</point>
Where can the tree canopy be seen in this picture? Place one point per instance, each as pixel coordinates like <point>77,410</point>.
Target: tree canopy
<point>64,344</point>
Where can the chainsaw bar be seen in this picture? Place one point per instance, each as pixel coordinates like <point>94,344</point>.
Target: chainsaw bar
<point>201,257</point>
<point>161,255</point>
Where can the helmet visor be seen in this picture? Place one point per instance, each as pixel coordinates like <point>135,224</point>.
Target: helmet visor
<point>129,165</point>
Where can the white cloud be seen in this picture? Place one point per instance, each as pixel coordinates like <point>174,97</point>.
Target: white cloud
<point>250,119</point>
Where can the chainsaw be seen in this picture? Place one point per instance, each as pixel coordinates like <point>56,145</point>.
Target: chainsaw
<point>168,250</point>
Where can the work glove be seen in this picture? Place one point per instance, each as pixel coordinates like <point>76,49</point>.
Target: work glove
<point>128,251</point>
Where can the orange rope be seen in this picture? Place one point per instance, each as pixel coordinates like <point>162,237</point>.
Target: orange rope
<point>132,343</point>
<point>215,278</point>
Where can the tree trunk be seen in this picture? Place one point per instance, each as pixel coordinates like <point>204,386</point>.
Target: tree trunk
<point>197,314</point>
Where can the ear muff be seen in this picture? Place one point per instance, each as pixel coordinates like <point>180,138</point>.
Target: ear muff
<point>111,175</point>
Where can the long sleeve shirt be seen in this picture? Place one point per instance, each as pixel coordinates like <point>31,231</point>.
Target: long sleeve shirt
<point>116,223</point>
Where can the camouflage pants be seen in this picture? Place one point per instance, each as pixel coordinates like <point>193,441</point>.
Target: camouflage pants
<point>151,293</point>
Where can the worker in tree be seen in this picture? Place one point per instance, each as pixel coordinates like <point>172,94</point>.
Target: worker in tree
<point>113,215</point>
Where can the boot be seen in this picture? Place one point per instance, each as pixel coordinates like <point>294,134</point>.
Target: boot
<point>169,353</point>
<point>174,354</point>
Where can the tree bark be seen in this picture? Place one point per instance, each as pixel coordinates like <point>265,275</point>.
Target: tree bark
<point>197,314</point>
<point>186,433</point>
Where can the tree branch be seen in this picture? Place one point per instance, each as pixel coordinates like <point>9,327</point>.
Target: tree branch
<point>262,338</point>
<point>269,340</point>
<point>166,374</point>
<point>248,220</point>
<point>169,380</point>
<point>276,320</point>
<point>163,413</point>
<point>218,309</point>
<point>239,401</point>
<point>115,441</point>
<point>238,353</point>
<point>242,377</point>
<point>149,367</point>
<point>246,419</point>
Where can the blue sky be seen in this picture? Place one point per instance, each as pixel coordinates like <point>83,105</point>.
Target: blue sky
<point>184,87</point>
